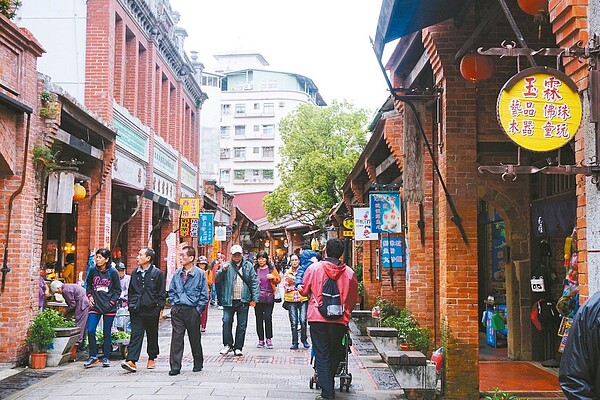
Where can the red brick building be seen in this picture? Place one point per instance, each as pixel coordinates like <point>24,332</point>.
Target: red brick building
<point>470,234</point>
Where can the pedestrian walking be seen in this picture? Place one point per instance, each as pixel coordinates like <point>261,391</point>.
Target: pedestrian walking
<point>579,372</point>
<point>327,330</point>
<point>268,279</point>
<point>296,304</point>
<point>188,296</point>
<point>216,264</point>
<point>77,303</point>
<point>146,299</point>
<point>307,258</point>
<point>103,290</point>
<point>203,265</point>
<point>240,289</point>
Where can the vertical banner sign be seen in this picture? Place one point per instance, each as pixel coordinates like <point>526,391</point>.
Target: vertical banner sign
<point>220,234</point>
<point>184,227</point>
<point>540,109</point>
<point>189,207</point>
<point>362,224</point>
<point>205,228</point>
<point>171,242</point>
<point>386,214</point>
<point>391,250</point>
<point>194,227</point>
<point>107,226</point>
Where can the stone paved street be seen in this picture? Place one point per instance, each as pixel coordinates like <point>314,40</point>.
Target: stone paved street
<point>279,373</point>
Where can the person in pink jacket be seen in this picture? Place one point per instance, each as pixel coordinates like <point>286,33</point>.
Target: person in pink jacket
<point>326,333</point>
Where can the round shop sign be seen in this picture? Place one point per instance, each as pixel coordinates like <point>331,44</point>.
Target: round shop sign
<point>539,109</point>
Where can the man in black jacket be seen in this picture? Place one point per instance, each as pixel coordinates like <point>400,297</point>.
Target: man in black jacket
<point>579,373</point>
<point>146,299</point>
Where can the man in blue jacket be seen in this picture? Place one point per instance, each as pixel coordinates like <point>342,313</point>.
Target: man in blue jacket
<point>188,296</point>
<point>307,258</point>
<point>240,289</point>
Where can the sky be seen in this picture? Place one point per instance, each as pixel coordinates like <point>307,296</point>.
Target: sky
<point>324,40</point>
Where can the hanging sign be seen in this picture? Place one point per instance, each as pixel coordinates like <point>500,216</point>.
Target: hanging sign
<point>194,227</point>
<point>391,252</point>
<point>184,227</point>
<point>539,109</point>
<point>385,212</point>
<point>362,224</point>
<point>189,207</point>
<point>220,233</point>
<point>205,228</point>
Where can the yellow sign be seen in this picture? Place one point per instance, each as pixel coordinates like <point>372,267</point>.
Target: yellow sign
<point>348,223</point>
<point>539,109</point>
<point>348,233</point>
<point>184,227</point>
<point>189,207</point>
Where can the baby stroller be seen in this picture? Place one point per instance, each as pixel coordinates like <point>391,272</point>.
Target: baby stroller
<point>342,369</point>
<point>122,324</point>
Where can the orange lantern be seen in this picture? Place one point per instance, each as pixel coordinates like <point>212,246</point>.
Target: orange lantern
<point>533,7</point>
<point>475,67</point>
<point>78,192</point>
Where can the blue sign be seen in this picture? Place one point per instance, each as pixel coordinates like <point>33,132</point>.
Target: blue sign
<point>391,249</point>
<point>205,228</point>
<point>386,214</point>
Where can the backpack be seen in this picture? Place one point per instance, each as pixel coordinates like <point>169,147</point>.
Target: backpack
<point>331,305</point>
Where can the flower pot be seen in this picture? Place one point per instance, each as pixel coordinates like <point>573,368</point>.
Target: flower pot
<point>60,350</point>
<point>38,360</point>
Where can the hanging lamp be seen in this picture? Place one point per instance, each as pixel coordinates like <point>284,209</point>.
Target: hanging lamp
<point>475,67</point>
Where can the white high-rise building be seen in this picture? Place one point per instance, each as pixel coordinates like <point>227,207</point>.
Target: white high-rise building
<point>253,101</point>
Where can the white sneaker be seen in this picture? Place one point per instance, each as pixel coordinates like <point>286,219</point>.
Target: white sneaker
<point>220,307</point>
<point>225,350</point>
<point>238,352</point>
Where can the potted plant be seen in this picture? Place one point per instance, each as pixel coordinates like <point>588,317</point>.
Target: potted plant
<point>39,336</point>
<point>410,334</point>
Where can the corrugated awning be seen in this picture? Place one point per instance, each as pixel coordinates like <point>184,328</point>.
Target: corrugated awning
<point>401,17</point>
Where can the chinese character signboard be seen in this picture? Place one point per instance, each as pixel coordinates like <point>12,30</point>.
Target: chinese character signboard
<point>540,109</point>
<point>184,227</point>
<point>190,207</point>
<point>205,228</point>
<point>391,250</point>
<point>386,215</point>
<point>194,227</point>
<point>220,234</point>
<point>362,224</point>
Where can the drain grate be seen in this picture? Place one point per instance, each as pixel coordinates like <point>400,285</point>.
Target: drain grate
<point>384,378</point>
<point>22,380</point>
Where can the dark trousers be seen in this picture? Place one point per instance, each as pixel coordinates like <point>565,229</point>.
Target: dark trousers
<point>264,320</point>
<point>241,309</point>
<point>185,319</point>
<point>219,290</point>
<point>107,321</point>
<point>329,352</point>
<point>140,324</point>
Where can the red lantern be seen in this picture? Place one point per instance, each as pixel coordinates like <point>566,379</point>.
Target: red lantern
<point>534,7</point>
<point>475,67</point>
<point>78,192</point>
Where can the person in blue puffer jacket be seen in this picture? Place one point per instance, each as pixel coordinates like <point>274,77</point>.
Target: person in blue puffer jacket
<point>307,258</point>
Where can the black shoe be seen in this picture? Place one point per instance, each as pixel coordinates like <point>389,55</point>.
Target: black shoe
<point>197,369</point>
<point>173,372</point>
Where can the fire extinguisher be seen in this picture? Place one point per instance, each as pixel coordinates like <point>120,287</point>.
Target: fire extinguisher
<point>437,357</point>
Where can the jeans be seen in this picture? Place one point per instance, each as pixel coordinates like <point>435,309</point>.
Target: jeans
<point>329,352</point>
<point>107,321</point>
<point>241,309</point>
<point>297,312</point>
<point>140,324</point>
<point>219,290</point>
<point>213,292</point>
<point>185,319</point>
<point>264,320</point>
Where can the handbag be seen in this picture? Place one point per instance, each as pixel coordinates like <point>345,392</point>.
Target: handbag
<point>286,305</point>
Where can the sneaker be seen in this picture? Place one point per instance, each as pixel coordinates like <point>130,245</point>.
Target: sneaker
<point>129,366</point>
<point>150,364</point>
<point>92,361</point>
<point>261,343</point>
<point>202,330</point>
<point>306,344</point>
<point>226,350</point>
<point>105,362</point>
<point>294,347</point>
<point>173,372</point>
<point>269,344</point>
<point>238,352</point>
<point>220,308</point>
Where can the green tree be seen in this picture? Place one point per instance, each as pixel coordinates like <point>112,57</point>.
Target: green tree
<point>320,147</point>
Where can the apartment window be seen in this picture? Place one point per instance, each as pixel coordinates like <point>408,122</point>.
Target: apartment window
<point>225,154</point>
<point>239,152</point>
<point>225,131</point>
<point>269,108</point>
<point>256,150</point>
<point>256,128</point>
<point>239,174</point>
<point>268,152</point>
<point>240,130</point>
<point>268,130</point>
<point>225,109</point>
<point>255,172</point>
<point>267,174</point>
<point>257,106</point>
<point>240,109</point>
<point>225,175</point>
